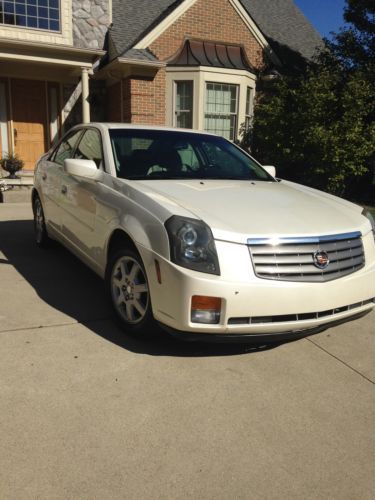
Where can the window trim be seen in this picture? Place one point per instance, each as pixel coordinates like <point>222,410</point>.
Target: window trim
<point>62,37</point>
<point>85,129</point>
<point>72,131</point>
<point>235,114</point>
<point>249,109</point>
<point>48,30</point>
<point>175,102</point>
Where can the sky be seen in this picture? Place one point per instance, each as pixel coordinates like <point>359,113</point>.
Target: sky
<point>325,15</point>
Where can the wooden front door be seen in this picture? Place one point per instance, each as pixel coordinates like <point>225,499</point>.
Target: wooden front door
<point>29,120</point>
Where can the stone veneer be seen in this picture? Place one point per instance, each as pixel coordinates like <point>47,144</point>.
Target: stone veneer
<point>90,23</point>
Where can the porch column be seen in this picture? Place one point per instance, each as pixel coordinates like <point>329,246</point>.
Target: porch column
<point>85,95</point>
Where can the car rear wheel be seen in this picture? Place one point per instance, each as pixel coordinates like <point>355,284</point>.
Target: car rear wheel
<point>129,294</point>
<point>41,235</point>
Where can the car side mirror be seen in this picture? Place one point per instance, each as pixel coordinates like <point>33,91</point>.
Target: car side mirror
<point>82,168</point>
<point>270,170</point>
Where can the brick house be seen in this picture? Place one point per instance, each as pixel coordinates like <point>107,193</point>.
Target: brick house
<point>186,63</point>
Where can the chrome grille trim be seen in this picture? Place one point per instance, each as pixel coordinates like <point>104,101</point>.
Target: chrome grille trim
<point>307,239</point>
<point>251,320</point>
<point>292,259</point>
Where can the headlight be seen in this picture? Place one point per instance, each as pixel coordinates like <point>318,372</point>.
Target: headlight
<point>192,244</point>
<point>370,217</point>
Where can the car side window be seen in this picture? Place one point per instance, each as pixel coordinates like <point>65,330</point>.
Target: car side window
<point>90,147</point>
<point>66,147</point>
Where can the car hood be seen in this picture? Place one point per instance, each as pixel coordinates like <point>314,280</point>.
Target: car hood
<point>237,210</point>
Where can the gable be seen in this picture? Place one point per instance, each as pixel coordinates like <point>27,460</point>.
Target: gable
<point>133,19</point>
<point>207,20</point>
<point>278,23</point>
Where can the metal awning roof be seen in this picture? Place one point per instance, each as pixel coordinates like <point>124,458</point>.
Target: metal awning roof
<point>218,55</point>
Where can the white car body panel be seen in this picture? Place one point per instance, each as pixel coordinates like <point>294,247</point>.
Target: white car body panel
<point>85,216</point>
<point>231,208</point>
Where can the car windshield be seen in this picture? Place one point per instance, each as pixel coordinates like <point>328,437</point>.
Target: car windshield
<point>160,154</point>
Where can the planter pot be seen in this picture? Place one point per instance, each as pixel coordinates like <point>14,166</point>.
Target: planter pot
<point>12,175</point>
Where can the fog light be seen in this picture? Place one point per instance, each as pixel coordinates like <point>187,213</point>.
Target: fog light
<point>205,309</point>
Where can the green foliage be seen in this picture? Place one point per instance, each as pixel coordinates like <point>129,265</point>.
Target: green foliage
<point>318,128</point>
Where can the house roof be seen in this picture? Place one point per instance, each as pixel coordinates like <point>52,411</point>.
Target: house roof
<point>283,24</point>
<point>218,55</point>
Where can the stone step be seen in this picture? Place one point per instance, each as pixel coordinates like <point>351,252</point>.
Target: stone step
<point>17,194</point>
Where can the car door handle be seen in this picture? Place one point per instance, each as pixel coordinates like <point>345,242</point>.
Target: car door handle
<point>64,189</point>
<point>44,176</point>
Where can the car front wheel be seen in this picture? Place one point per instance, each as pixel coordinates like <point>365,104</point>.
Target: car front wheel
<point>128,291</point>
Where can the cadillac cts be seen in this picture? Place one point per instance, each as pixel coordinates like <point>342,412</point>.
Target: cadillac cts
<point>192,233</point>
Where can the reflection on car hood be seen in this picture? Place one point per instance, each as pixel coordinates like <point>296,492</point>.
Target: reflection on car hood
<point>237,210</point>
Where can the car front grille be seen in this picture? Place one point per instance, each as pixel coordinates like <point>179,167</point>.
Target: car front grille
<point>311,259</point>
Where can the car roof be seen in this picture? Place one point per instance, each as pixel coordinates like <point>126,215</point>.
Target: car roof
<point>105,126</point>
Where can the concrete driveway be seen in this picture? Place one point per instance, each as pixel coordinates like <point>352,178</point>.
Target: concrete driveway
<point>88,413</point>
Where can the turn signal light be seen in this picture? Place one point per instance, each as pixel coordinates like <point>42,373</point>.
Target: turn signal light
<point>205,309</point>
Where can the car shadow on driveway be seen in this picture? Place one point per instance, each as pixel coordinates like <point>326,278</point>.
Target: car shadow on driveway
<point>67,285</point>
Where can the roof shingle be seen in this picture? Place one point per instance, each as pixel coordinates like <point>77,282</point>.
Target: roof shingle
<point>282,23</point>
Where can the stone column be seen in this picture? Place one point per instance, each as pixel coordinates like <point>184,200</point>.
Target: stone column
<point>85,95</point>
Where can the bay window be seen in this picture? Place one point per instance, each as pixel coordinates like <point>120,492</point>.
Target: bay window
<point>217,100</point>
<point>184,104</point>
<point>221,109</point>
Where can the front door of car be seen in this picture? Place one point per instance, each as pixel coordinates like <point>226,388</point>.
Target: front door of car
<point>80,205</point>
<point>52,179</point>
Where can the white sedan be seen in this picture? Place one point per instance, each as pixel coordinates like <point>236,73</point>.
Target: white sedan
<point>191,232</point>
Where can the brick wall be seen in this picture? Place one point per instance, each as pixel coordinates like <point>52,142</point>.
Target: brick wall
<point>214,20</point>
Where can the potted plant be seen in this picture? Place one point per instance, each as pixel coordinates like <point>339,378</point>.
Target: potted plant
<point>11,163</point>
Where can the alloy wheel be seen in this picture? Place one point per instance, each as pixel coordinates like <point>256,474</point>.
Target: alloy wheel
<point>129,289</point>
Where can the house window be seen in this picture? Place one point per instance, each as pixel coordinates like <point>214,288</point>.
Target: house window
<point>184,104</point>
<point>221,109</point>
<point>35,14</point>
<point>249,108</point>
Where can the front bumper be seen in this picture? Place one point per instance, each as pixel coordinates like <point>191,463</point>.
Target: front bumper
<point>256,339</point>
<point>255,308</point>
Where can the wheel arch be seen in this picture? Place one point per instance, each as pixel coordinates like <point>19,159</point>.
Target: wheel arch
<point>118,238</point>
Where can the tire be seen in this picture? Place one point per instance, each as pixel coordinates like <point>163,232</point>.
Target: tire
<point>128,292</point>
<point>40,231</point>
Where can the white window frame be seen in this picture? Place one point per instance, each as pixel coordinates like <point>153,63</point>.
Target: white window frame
<point>62,37</point>
<point>175,101</point>
<point>200,76</point>
<point>230,113</point>
<point>249,107</point>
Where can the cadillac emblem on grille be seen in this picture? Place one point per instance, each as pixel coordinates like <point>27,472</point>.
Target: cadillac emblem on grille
<point>321,259</point>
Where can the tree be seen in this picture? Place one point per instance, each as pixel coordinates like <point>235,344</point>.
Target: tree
<point>355,46</point>
<point>318,128</point>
